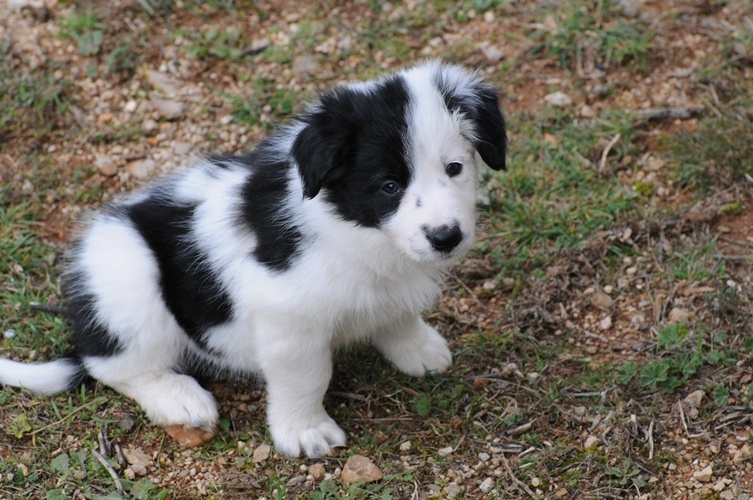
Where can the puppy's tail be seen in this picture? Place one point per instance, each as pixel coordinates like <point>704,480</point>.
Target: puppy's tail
<point>43,378</point>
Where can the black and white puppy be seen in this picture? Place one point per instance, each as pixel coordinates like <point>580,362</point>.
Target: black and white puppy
<point>336,229</point>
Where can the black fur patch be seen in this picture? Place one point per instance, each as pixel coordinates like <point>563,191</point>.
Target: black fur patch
<point>263,196</point>
<point>90,337</point>
<point>352,144</point>
<point>189,288</point>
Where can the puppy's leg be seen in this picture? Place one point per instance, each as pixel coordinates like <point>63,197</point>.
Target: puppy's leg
<point>167,397</point>
<point>413,347</point>
<point>297,366</point>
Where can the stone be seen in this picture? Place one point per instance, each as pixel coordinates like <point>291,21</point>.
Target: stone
<point>704,475</point>
<point>161,81</point>
<point>743,454</point>
<point>136,456</point>
<point>678,315</point>
<point>486,485</point>
<point>130,106</point>
<point>168,108</point>
<point>558,99</point>
<point>483,456</point>
<point>261,453</point>
<point>317,471</point>
<point>443,452</point>
<point>492,54</point>
<point>452,490</point>
<point>141,169</point>
<point>586,111</point>
<point>150,125</point>
<point>406,446</point>
<point>305,64</point>
<point>600,90</point>
<point>360,469</point>
<point>139,469</point>
<point>601,300</point>
<point>190,437</point>
<point>695,397</point>
<point>605,323</point>
<point>182,148</point>
<point>106,166</point>
<point>591,442</point>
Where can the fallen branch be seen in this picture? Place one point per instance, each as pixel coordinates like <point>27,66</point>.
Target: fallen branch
<point>520,484</point>
<point>668,113</point>
<point>110,471</point>
<point>605,153</point>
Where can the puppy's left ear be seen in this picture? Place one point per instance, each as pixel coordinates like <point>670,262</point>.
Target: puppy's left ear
<point>478,104</point>
<point>490,137</point>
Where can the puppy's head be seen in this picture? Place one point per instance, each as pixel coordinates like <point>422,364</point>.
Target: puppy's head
<point>398,154</point>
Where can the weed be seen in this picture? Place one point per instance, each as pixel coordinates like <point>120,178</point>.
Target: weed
<point>678,359</point>
<point>626,474</point>
<point>581,34</point>
<point>715,156</point>
<point>37,102</point>
<point>121,61</point>
<point>267,104</point>
<point>86,30</point>
<point>224,44</point>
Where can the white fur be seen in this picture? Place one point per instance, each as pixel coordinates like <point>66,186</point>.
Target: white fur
<point>43,378</point>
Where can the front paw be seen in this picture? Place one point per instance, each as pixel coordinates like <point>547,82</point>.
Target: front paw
<point>314,439</point>
<point>419,354</point>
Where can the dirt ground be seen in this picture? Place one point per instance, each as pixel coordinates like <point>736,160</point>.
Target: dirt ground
<point>175,89</point>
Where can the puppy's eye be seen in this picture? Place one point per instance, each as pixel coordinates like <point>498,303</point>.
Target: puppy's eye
<point>453,168</point>
<point>391,187</point>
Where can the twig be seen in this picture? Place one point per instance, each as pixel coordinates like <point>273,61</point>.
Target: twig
<point>651,440</point>
<point>53,424</point>
<point>668,113</point>
<point>110,471</point>
<point>682,418</point>
<point>37,306</point>
<point>521,429</point>
<point>605,153</point>
<point>520,484</point>
<point>350,395</point>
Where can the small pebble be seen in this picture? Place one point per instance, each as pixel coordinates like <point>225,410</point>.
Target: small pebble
<point>443,452</point>
<point>591,442</point>
<point>704,475</point>
<point>487,485</point>
<point>261,453</point>
<point>9,334</point>
<point>558,99</point>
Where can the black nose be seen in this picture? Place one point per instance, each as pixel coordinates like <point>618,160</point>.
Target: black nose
<point>444,238</point>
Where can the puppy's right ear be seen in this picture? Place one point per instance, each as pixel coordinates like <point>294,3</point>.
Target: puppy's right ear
<point>321,148</point>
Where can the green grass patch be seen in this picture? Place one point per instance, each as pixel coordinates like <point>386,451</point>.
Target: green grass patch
<point>589,32</point>
<point>552,197</point>
<point>87,30</point>
<point>716,155</point>
<point>33,102</point>
<point>679,355</point>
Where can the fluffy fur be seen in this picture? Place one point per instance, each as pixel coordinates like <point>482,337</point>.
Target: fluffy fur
<point>335,229</point>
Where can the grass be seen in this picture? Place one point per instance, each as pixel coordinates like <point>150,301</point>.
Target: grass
<point>35,102</point>
<point>553,197</point>
<point>588,33</point>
